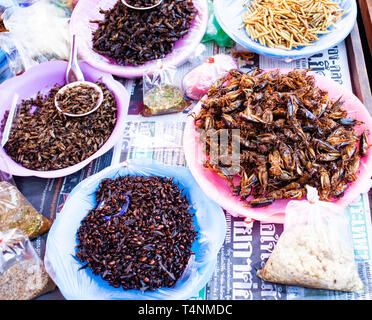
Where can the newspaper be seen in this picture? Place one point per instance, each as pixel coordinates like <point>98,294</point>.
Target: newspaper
<point>248,244</point>
<point>331,63</point>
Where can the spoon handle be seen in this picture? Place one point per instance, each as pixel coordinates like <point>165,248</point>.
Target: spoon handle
<point>73,72</point>
<point>9,121</point>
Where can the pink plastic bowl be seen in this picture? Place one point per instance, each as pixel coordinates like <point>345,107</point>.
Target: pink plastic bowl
<point>218,189</point>
<point>87,10</point>
<point>42,78</point>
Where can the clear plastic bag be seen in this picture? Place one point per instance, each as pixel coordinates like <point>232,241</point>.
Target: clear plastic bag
<point>17,212</point>
<point>315,249</point>
<point>11,62</point>
<point>22,273</point>
<point>37,33</point>
<point>162,93</point>
<point>198,80</point>
<point>214,31</point>
<point>82,284</point>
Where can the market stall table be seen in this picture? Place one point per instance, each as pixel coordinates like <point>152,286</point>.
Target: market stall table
<point>366,13</point>
<point>244,248</point>
<point>248,243</point>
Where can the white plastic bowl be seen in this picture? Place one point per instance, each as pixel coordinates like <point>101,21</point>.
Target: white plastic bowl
<point>229,15</point>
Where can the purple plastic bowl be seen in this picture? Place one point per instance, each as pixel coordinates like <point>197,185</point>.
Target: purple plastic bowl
<point>87,10</point>
<point>42,78</point>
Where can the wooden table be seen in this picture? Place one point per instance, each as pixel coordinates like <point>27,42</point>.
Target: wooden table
<point>358,69</point>
<point>366,13</point>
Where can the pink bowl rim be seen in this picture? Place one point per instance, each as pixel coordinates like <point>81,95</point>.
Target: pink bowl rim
<point>188,43</point>
<point>361,185</point>
<point>122,99</point>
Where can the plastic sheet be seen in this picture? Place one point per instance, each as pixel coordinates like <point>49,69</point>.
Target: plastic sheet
<point>5,72</point>
<point>209,220</point>
<point>10,62</point>
<point>38,32</point>
<point>315,249</point>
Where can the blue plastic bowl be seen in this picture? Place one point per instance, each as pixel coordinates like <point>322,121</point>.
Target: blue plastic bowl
<point>229,15</point>
<point>75,284</point>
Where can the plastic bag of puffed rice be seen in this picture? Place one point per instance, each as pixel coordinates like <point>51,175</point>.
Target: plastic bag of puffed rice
<point>315,249</point>
<point>22,273</point>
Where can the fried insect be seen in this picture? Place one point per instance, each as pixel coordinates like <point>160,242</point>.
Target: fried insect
<point>363,144</point>
<point>291,135</point>
<point>291,23</point>
<point>133,37</point>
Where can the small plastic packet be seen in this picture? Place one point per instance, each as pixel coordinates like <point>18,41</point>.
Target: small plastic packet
<point>315,249</point>
<point>22,272</point>
<point>197,81</point>
<point>161,93</point>
<point>17,212</point>
<point>214,31</point>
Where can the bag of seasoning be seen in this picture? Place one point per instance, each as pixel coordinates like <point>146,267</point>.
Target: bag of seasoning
<point>315,249</point>
<point>198,80</point>
<point>161,93</point>
<point>22,273</point>
<point>17,212</point>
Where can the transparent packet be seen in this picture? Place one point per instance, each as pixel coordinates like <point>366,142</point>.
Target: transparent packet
<point>22,273</point>
<point>162,93</point>
<point>214,31</point>
<point>17,212</point>
<point>315,249</point>
<point>198,80</point>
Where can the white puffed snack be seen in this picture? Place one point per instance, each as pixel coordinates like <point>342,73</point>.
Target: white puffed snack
<point>315,252</point>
